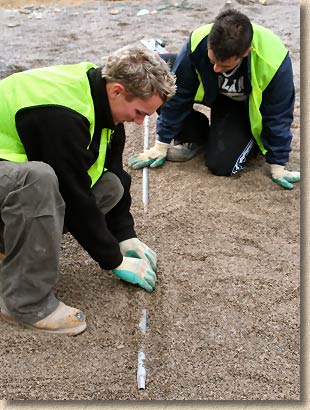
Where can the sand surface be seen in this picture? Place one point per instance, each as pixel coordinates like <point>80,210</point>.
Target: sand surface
<point>223,323</point>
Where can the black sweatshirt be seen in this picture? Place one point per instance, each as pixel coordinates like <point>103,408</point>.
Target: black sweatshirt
<point>59,137</point>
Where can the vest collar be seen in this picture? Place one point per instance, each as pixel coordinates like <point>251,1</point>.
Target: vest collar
<point>103,115</point>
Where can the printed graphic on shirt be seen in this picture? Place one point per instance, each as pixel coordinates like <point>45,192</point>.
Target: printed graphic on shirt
<point>231,83</point>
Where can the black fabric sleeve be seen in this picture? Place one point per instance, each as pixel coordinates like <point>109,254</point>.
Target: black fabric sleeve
<point>174,112</point>
<point>119,219</point>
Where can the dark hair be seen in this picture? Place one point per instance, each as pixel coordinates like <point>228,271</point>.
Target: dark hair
<point>231,35</point>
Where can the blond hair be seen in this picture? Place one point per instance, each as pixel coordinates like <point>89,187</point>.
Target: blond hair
<point>142,72</point>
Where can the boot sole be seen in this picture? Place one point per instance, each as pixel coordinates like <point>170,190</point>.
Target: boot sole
<point>67,331</point>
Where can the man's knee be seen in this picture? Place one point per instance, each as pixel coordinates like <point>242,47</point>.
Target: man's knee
<point>34,190</point>
<point>41,173</point>
<point>42,182</point>
<point>118,189</point>
<point>218,167</point>
<point>220,171</point>
<point>108,191</point>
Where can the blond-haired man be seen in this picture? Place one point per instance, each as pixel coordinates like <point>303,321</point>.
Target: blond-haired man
<point>61,143</point>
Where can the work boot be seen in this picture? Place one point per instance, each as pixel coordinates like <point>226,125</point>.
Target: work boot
<point>65,320</point>
<point>183,151</point>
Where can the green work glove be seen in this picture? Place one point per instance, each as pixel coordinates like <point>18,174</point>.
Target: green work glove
<point>137,272</point>
<point>282,177</point>
<point>153,157</point>
<point>136,249</point>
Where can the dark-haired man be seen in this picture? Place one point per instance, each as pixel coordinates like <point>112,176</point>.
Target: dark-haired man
<point>243,72</point>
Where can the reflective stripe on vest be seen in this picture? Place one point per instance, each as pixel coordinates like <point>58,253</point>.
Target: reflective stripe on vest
<point>97,168</point>
<point>63,86</point>
<point>266,57</point>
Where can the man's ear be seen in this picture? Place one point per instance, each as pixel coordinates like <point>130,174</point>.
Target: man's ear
<point>248,51</point>
<point>115,89</point>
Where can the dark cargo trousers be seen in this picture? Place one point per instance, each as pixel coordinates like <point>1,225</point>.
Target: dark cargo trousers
<point>31,225</point>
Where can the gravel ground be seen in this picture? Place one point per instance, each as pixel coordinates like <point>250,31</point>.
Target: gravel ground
<point>223,323</point>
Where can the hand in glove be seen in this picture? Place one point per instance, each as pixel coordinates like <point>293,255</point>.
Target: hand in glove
<point>137,272</point>
<point>283,177</point>
<point>153,157</point>
<point>136,249</point>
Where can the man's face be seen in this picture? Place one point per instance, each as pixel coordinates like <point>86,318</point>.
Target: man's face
<point>223,66</point>
<point>125,110</point>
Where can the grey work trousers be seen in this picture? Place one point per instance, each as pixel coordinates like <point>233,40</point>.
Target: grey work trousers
<point>31,225</point>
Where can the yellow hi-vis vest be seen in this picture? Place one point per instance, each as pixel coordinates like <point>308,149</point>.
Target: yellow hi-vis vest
<point>266,57</point>
<point>62,85</point>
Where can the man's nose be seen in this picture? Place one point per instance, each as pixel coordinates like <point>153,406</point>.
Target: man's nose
<point>217,68</point>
